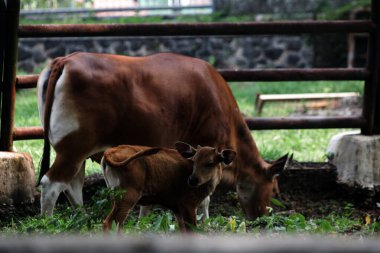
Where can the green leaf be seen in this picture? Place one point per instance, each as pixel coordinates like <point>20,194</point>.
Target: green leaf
<point>277,203</point>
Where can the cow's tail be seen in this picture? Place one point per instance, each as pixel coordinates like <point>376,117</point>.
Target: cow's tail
<point>108,157</point>
<point>55,73</point>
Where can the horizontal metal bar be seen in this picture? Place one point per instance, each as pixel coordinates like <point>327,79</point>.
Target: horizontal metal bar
<point>30,81</point>
<point>26,81</point>
<point>315,74</point>
<point>95,10</point>
<point>29,133</point>
<point>304,123</point>
<point>196,29</point>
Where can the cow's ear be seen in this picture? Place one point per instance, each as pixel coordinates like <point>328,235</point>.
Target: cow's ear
<point>227,156</point>
<point>186,150</point>
<point>278,166</point>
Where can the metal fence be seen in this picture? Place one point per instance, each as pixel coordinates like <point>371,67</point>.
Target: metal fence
<point>115,8</point>
<point>368,122</point>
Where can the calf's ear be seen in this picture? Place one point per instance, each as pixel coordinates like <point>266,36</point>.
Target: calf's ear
<point>278,166</point>
<point>227,156</point>
<point>186,150</point>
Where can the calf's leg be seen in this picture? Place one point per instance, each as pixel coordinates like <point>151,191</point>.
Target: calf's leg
<point>186,218</point>
<point>121,209</point>
<point>190,218</point>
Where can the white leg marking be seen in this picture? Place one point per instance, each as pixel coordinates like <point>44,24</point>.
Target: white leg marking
<point>63,119</point>
<point>49,194</point>
<point>74,191</point>
<point>203,208</point>
<point>111,177</point>
<point>104,167</point>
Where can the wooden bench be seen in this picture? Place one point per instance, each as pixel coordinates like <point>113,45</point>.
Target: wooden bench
<point>261,99</point>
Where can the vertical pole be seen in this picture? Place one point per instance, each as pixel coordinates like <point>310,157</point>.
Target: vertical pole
<point>2,39</point>
<point>371,104</point>
<point>9,77</point>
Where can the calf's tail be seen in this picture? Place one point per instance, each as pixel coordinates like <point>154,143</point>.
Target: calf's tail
<point>108,157</point>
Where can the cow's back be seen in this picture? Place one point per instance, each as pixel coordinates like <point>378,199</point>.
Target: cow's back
<point>154,101</point>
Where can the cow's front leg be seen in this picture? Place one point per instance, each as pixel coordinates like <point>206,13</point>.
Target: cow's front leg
<point>203,208</point>
<point>144,211</point>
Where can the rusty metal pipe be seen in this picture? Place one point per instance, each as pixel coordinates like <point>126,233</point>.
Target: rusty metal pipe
<point>274,75</point>
<point>28,133</point>
<point>26,81</point>
<point>371,104</point>
<point>8,88</point>
<point>30,81</point>
<point>196,29</point>
<point>304,122</point>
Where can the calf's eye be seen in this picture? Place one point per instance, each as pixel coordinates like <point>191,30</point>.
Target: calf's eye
<point>209,165</point>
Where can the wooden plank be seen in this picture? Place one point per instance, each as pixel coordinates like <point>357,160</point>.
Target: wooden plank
<point>261,99</point>
<point>306,96</point>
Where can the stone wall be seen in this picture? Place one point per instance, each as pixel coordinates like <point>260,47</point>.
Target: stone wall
<point>222,52</point>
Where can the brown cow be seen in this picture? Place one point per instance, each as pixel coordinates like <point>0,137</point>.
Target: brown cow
<point>162,176</point>
<point>89,102</point>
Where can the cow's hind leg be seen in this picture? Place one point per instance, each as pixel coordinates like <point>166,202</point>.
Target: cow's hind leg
<point>50,191</point>
<point>57,179</point>
<point>74,192</point>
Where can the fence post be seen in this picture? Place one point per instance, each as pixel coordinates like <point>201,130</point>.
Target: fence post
<point>371,105</point>
<point>8,88</point>
<point>2,38</point>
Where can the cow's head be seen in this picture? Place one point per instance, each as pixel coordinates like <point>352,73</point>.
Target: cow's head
<point>207,162</point>
<point>256,190</point>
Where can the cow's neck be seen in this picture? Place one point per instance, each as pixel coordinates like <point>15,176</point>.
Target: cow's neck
<point>249,161</point>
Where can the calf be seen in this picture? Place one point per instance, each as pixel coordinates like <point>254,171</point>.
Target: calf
<point>162,176</point>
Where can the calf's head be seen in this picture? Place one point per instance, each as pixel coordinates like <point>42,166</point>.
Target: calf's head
<point>256,190</point>
<point>207,162</point>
